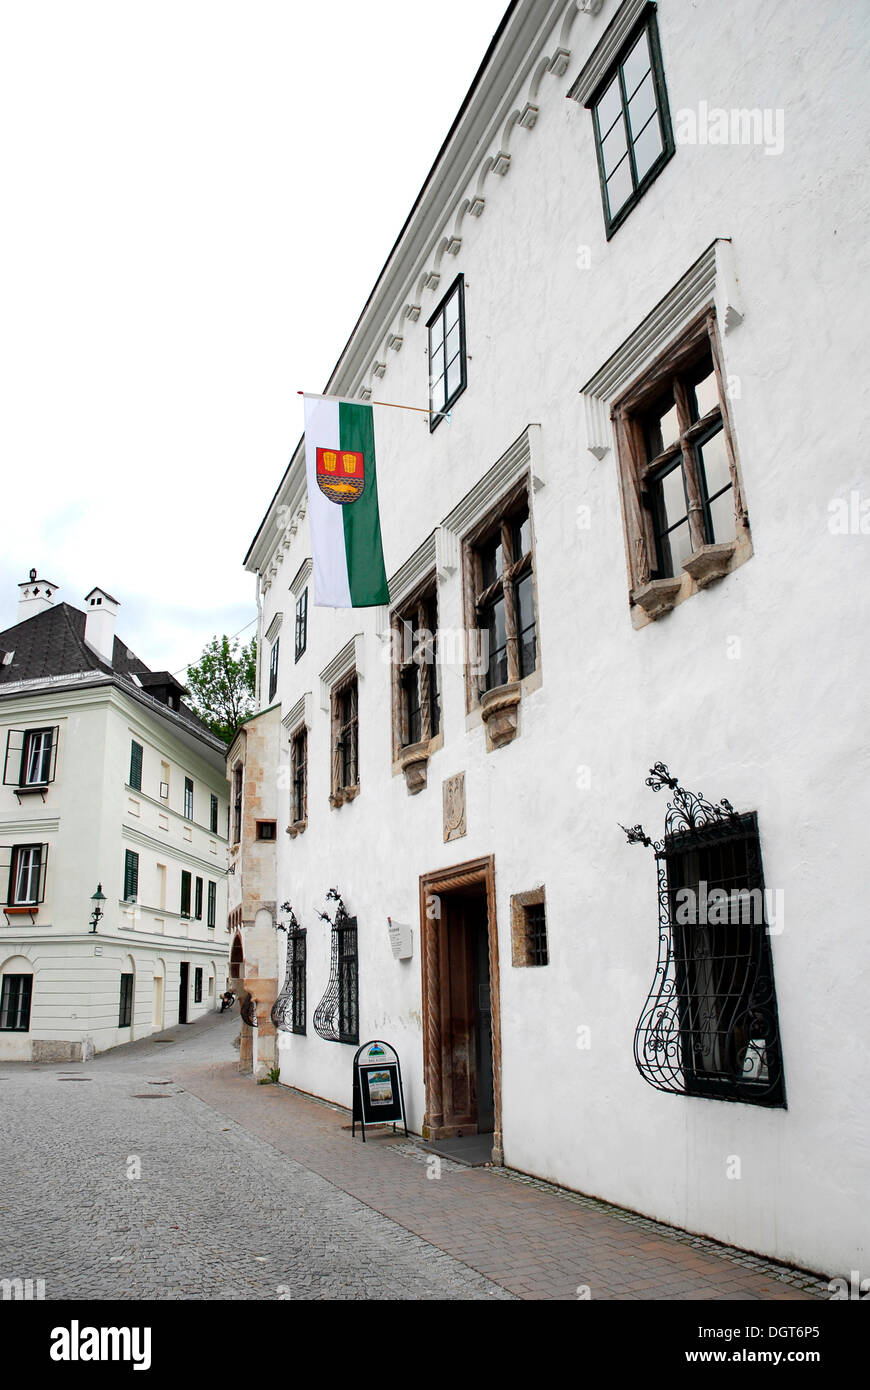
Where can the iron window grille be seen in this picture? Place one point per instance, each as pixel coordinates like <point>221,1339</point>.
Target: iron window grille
<point>213,818</point>
<point>503,596</point>
<point>299,776</point>
<point>136,752</point>
<point>197,985</point>
<point>273,669</point>
<point>131,875</point>
<point>15,1000</point>
<point>336,1017</point>
<point>301,624</point>
<point>31,758</point>
<point>185,892</point>
<point>345,740</point>
<point>536,926</point>
<point>288,1011</point>
<point>211,904</point>
<point>632,123</point>
<point>677,459</point>
<point>416,681</point>
<point>188,798</point>
<point>125,1009</point>
<point>529,944</point>
<point>710,1024</point>
<point>197,900</point>
<point>447,358</point>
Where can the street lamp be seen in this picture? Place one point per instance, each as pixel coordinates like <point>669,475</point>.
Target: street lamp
<point>97,898</point>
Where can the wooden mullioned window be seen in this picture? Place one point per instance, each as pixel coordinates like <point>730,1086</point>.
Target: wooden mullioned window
<point>501,592</point>
<point>683,504</point>
<point>416,684</point>
<point>345,740</point>
<point>299,779</point>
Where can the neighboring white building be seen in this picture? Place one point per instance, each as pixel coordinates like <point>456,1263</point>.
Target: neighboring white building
<point>108,778</point>
<point>649,492</point>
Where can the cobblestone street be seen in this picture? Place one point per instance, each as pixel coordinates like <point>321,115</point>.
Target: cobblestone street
<point>255,1192</point>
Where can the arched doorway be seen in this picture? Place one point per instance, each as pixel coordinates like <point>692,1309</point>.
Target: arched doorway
<point>237,959</point>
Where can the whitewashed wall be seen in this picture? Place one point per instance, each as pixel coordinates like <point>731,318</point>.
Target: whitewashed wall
<point>779,730</point>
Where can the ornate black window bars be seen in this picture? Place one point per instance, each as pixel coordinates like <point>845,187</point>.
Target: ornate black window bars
<point>336,1017</point>
<point>710,1026</point>
<point>288,1010</point>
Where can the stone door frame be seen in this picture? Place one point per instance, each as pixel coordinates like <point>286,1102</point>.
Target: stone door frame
<point>471,873</point>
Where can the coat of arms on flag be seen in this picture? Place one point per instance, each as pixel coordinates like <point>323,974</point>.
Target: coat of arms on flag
<point>343,511</point>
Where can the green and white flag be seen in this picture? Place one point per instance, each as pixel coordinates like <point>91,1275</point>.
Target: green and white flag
<point>343,504</point>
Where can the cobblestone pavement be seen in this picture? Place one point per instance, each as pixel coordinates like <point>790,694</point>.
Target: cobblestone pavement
<point>217,1212</point>
<point>227,1165</point>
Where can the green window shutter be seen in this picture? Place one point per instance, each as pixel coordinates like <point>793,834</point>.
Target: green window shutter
<point>136,765</point>
<point>185,893</point>
<point>131,874</point>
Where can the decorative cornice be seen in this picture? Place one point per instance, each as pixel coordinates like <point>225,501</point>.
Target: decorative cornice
<point>413,571</point>
<point>349,658</point>
<point>711,280</point>
<point>601,59</point>
<point>274,627</point>
<point>515,461</point>
<point>301,577</point>
<point>299,714</point>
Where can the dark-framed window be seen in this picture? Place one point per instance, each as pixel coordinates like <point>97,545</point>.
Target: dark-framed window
<point>273,668</point>
<point>131,875</point>
<point>211,904</point>
<point>416,681</point>
<point>197,985</point>
<point>31,757</point>
<point>345,739</point>
<point>502,597</point>
<point>185,892</point>
<point>266,829</point>
<point>677,460</point>
<point>136,752</point>
<point>529,944</point>
<point>299,776</point>
<point>296,964</point>
<point>301,624</point>
<point>728,1020</point>
<point>348,982</point>
<point>213,814</point>
<point>237,803</point>
<point>125,1009</point>
<point>188,798</point>
<point>632,123</point>
<point>197,899</point>
<point>448,375</point>
<point>15,999</point>
<point>27,875</point>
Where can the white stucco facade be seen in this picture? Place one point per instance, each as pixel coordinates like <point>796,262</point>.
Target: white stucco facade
<point>747,690</point>
<point>88,820</point>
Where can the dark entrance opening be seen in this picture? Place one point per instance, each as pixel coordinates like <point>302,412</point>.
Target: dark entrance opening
<point>466,1015</point>
<point>183,980</point>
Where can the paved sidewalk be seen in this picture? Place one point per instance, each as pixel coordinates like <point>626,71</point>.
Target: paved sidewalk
<point>534,1240</point>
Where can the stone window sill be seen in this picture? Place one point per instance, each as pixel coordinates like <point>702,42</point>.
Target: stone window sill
<point>658,596</point>
<point>343,794</point>
<point>500,712</point>
<point>413,762</point>
<point>710,563</point>
<point>297,827</point>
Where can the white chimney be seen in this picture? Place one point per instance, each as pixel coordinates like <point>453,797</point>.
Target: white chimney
<point>34,597</point>
<point>101,610</point>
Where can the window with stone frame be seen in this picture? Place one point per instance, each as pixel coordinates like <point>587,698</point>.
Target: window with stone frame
<point>344,707</point>
<point>529,944</point>
<point>500,597</point>
<point>683,504</point>
<point>298,779</point>
<point>415,679</point>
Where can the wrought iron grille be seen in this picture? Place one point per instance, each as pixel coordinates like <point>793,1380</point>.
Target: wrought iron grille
<point>710,1025</point>
<point>336,1017</point>
<point>288,1010</point>
<point>248,1010</point>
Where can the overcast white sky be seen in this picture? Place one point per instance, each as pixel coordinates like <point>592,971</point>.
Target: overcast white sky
<point>178,178</point>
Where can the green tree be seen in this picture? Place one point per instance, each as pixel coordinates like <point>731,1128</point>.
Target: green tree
<point>222,685</point>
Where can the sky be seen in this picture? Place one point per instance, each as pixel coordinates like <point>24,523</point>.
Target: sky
<point>198,197</point>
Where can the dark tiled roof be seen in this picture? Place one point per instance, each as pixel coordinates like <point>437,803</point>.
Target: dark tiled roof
<point>52,643</point>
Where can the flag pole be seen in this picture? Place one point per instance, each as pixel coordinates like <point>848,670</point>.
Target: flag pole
<point>391,405</point>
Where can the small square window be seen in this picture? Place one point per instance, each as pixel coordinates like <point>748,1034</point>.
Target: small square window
<point>632,124</point>
<point>447,358</point>
<point>265,830</point>
<point>529,944</point>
